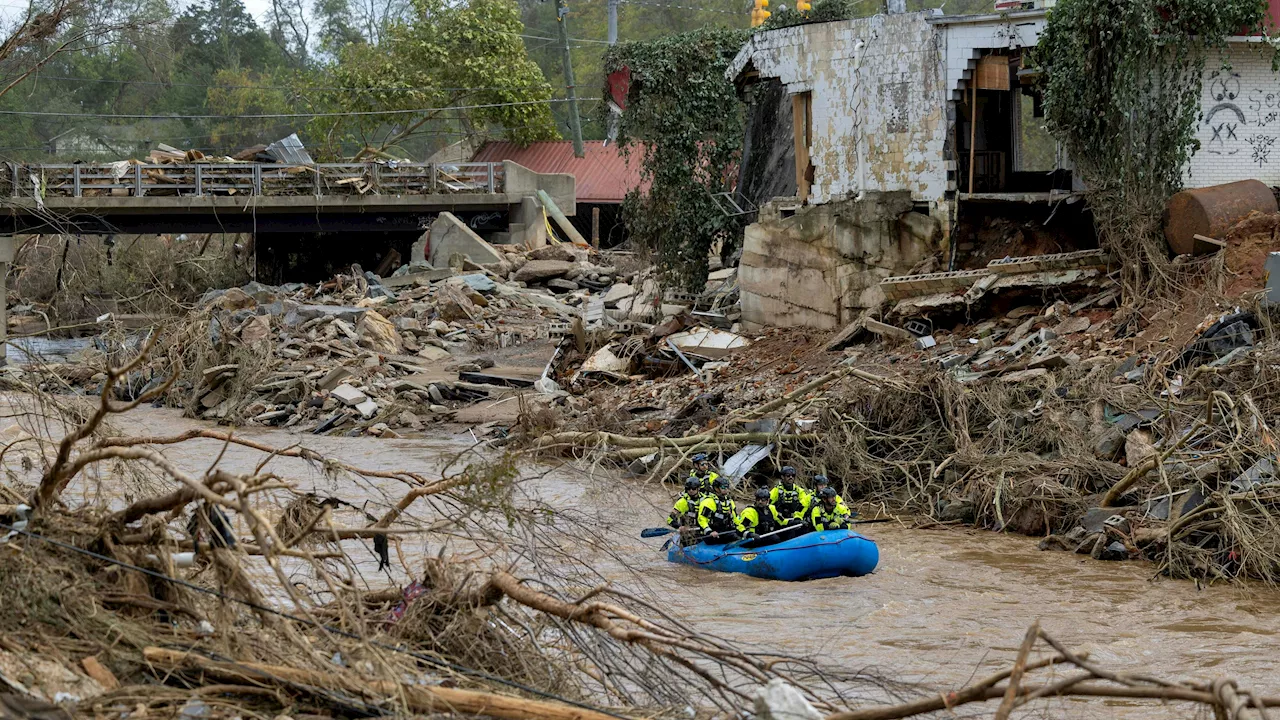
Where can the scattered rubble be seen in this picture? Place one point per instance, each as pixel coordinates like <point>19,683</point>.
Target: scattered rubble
<point>1015,397</point>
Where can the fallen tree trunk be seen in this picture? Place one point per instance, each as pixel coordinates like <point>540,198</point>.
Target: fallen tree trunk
<point>588,439</point>
<point>418,698</point>
<point>983,694</point>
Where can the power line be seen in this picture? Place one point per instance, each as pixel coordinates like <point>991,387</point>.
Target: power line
<point>445,664</point>
<point>268,116</point>
<point>274,87</point>
<point>572,39</point>
<point>681,7</point>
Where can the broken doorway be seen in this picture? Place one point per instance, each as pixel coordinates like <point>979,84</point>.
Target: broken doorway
<point>1000,134</point>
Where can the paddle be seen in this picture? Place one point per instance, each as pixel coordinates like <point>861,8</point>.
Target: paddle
<point>654,532</point>
<point>793,527</point>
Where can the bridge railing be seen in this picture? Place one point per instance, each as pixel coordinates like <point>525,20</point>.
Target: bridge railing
<point>128,179</point>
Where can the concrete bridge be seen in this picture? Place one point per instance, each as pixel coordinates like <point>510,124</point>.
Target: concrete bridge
<point>305,220</point>
<point>260,197</point>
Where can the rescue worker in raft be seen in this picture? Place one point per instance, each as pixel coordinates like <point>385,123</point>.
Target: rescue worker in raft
<point>703,471</point>
<point>684,514</point>
<point>718,515</point>
<point>820,482</point>
<point>787,500</point>
<point>828,512</point>
<point>758,519</point>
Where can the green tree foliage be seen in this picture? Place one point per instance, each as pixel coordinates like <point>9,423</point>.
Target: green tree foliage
<point>685,121</point>
<point>197,57</point>
<point>463,64</point>
<point>216,34</point>
<point>1122,93</point>
<point>248,92</point>
<point>337,26</point>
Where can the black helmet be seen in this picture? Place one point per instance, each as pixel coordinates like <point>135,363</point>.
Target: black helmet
<point>820,480</point>
<point>700,457</point>
<point>721,483</point>
<point>762,494</point>
<point>788,471</point>
<point>828,493</point>
<point>692,484</point>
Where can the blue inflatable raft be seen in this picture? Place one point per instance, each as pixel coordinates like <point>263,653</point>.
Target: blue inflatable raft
<point>829,553</point>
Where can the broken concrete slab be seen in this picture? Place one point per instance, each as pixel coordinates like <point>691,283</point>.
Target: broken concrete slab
<point>558,251</point>
<point>348,395</point>
<point>334,378</point>
<point>540,270</point>
<point>560,285</point>
<point>887,330</point>
<point>367,409</point>
<point>417,278</point>
<point>617,294</point>
<point>1070,326</point>
<point>450,236</point>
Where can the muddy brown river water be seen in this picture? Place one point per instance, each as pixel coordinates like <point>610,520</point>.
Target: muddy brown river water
<point>944,605</point>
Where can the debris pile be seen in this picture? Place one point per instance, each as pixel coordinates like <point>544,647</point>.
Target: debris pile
<point>188,597</point>
<point>365,353</point>
<point>1046,418</point>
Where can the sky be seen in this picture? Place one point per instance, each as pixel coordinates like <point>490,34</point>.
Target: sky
<point>259,9</point>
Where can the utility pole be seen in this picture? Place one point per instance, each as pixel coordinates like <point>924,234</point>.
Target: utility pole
<point>613,22</point>
<point>575,123</point>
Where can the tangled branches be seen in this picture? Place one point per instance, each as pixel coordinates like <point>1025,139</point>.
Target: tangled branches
<point>508,604</point>
<point>1224,696</point>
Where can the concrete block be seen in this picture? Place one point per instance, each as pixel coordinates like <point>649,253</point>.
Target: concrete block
<point>367,409</point>
<point>1044,263</point>
<point>449,235</point>
<point>886,330</point>
<point>348,395</point>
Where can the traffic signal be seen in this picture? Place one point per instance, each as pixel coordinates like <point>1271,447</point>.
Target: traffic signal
<point>803,6</point>
<point>759,14</point>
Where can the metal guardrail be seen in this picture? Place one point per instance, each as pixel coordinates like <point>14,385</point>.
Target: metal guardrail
<point>129,179</point>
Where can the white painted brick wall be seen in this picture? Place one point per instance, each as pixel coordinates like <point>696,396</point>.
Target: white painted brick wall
<point>854,103</point>
<point>964,41</point>
<point>879,101</point>
<point>1239,128</point>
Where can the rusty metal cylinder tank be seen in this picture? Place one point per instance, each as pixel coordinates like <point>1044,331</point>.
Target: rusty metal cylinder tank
<point>1211,211</point>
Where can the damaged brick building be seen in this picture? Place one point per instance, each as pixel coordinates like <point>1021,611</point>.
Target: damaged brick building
<point>871,143</point>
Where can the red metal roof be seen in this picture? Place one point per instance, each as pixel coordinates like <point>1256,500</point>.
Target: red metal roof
<point>603,176</point>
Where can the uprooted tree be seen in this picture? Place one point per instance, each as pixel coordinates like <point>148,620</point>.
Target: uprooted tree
<point>1122,93</point>
<point>684,120</point>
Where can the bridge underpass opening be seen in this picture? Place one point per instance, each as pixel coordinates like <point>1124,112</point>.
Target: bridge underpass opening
<point>315,257</point>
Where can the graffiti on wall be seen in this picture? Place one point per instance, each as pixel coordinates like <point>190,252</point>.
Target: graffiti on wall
<point>1240,120</point>
<point>1225,119</point>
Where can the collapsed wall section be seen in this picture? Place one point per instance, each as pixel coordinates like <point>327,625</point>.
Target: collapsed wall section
<point>822,265</point>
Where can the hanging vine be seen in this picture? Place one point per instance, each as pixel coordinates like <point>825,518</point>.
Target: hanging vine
<point>1122,93</point>
<point>684,120</point>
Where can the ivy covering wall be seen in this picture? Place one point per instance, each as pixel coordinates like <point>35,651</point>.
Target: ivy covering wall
<point>1122,93</point>
<point>684,121</point>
